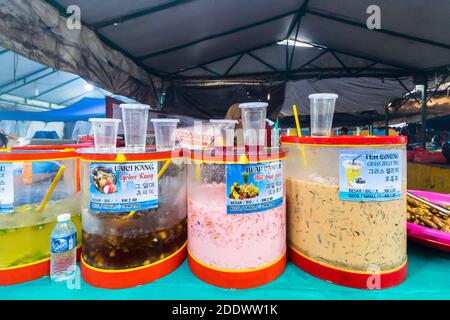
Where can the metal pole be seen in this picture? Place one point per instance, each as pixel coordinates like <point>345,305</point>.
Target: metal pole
<point>386,120</point>
<point>424,109</point>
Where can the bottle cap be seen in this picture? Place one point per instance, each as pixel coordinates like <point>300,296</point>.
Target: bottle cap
<point>63,217</point>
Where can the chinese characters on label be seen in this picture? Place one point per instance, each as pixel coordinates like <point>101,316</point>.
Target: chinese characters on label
<point>6,187</point>
<point>369,175</point>
<point>122,187</point>
<point>254,187</point>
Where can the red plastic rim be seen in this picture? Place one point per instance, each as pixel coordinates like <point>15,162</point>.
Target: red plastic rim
<point>236,154</point>
<point>55,147</point>
<point>120,279</point>
<point>90,155</point>
<point>237,280</point>
<point>37,155</point>
<point>346,140</point>
<point>28,273</point>
<point>350,279</point>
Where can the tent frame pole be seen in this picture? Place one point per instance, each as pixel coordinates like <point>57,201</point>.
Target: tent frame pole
<point>386,120</point>
<point>424,108</point>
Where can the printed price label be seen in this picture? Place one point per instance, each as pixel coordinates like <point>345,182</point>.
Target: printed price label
<point>6,187</point>
<point>370,175</point>
<point>254,187</point>
<point>122,187</point>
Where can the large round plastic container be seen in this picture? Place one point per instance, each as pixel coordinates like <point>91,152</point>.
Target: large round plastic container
<point>26,176</point>
<point>236,216</point>
<point>346,208</point>
<point>134,216</point>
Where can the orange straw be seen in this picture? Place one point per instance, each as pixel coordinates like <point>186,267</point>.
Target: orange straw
<point>52,188</point>
<point>299,133</point>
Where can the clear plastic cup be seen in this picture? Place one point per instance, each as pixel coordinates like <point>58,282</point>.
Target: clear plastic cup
<point>254,122</point>
<point>135,121</point>
<point>223,132</point>
<point>322,111</point>
<point>165,133</point>
<point>105,132</point>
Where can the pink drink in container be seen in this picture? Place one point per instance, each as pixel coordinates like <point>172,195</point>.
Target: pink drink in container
<point>236,216</point>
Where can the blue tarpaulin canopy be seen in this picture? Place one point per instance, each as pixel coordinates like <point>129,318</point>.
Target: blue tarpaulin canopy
<point>82,110</point>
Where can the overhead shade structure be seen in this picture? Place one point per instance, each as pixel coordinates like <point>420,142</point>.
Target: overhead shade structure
<point>82,110</point>
<point>36,30</point>
<point>355,94</point>
<point>209,39</point>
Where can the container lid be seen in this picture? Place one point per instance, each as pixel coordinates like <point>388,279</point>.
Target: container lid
<point>165,120</point>
<point>346,140</point>
<point>55,147</point>
<point>223,121</point>
<point>253,105</point>
<point>63,217</point>
<point>20,155</point>
<point>135,106</point>
<point>238,155</point>
<point>104,120</point>
<point>122,155</point>
<point>323,96</point>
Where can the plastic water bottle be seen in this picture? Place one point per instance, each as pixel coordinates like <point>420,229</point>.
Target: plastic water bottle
<point>63,249</point>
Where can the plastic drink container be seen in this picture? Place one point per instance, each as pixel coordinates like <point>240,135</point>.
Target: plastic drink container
<point>253,120</point>
<point>105,132</point>
<point>63,257</point>
<point>135,120</point>
<point>322,110</point>
<point>165,133</point>
<point>223,132</point>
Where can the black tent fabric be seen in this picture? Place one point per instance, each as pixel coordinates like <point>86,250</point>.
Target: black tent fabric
<point>355,94</point>
<point>211,102</point>
<point>210,39</point>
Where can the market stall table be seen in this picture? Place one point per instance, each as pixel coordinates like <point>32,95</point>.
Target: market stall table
<point>427,279</point>
<point>429,177</point>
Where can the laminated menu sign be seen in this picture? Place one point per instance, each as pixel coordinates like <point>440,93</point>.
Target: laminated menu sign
<point>6,187</point>
<point>254,187</point>
<point>122,187</point>
<point>370,175</point>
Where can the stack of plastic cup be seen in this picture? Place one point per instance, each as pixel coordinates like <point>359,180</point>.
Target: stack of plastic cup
<point>105,132</point>
<point>135,121</point>
<point>254,123</point>
<point>165,133</point>
<point>322,111</point>
<point>223,132</point>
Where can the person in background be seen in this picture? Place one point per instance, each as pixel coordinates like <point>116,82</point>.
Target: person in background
<point>3,140</point>
<point>343,131</point>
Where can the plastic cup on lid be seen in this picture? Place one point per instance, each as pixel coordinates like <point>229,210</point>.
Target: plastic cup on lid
<point>322,111</point>
<point>165,133</point>
<point>223,132</point>
<point>253,121</point>
<point>105,132</point>
<point>135,120</point>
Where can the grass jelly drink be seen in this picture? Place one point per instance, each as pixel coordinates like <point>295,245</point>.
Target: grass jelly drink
<point>134,216</point>
<point>346,208</point>
<point>236,216</point>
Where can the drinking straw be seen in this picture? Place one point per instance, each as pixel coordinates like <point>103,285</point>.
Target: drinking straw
<point>297,122</point>
<point>299,133</point>
<point>52,188</point>
<point>160,173</point>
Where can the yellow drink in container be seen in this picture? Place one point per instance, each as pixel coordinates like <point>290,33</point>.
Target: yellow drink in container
<point>26,220</point>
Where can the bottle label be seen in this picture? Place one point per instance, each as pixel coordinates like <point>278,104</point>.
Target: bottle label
<point>64,244</point>
<point>254,187</point>
<point>6,187</point>
<point>370,175</point>
<point>122,187</point>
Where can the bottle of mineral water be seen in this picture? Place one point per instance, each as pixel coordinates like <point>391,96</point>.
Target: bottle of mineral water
<point>63,249</point>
